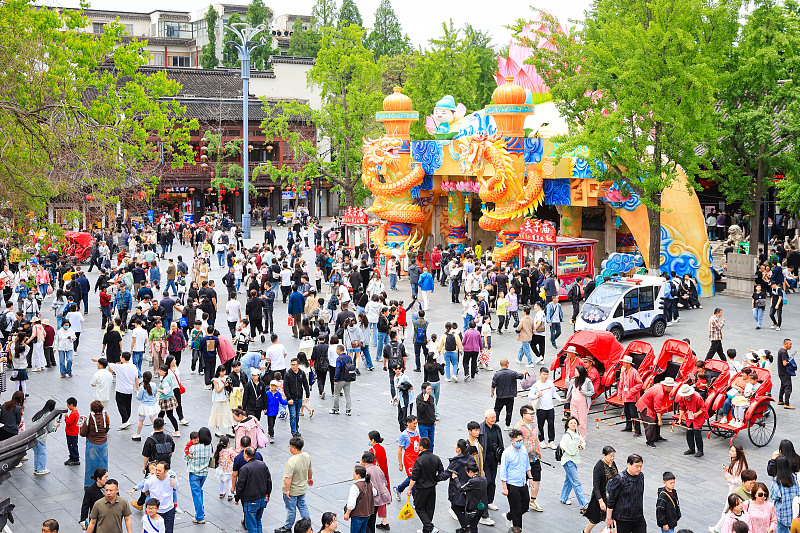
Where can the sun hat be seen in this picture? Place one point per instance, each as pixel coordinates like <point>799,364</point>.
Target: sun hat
<point>685,391</point>
<point>627,359</point>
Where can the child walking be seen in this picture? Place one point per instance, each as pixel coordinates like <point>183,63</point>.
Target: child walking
<point>223,458</point>
<point>668,508</point>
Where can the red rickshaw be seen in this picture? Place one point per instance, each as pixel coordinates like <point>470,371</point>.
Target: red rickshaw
<point>602,346</point>
<point>759,418</point>
<point>675,360</point>
<point>643,357</point>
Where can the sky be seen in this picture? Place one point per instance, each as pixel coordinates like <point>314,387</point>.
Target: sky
<point>420,19</point>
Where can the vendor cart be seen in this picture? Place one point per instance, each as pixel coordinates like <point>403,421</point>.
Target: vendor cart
<point>357,227</point>
<point>571,257</point>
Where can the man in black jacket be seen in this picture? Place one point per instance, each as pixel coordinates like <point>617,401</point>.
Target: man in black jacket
<point>253,489</point>
<point>426,413</point>
<point>319,355</point>
<point>295,384</point>
<point>491,440</point>
<point>504,385</point>
<point>625,498</point>
<point>254,399</point>
<point>255,311</point>
<point>424,476</point>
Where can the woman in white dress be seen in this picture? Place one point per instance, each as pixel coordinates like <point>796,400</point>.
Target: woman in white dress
<point>221,417</point>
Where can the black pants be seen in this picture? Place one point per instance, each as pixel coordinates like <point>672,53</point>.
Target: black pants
<point>76,342</point>
<point>285,292</point>
<point>419,347</point>
<point>548,415</point>
<point>490,471</point>
<point>179,409</point>
<point>576,309</point>
<point>171,417</point>
<point>209,364</point>
<point>517,503</point>
<point>694,438</point>
<point>630,413</point>
<point>456,289</point>
<point>773,313</point>
<point>177,356</point>
<point>49,356</point>
<point>322,373</point>
<point>425,505</point>
<point>537,346</point>
<point>786,388</point>
<point>470,361</point>
<point>631,526</point>
<point>271,425</point>
<point>403,412</point>
<point>124,405</point>
<point>652,431</point>
<point>508,403</point>
<point>255,325</point>
<point>502,322</point>
<point>269,326</point>
<point>716,348</point>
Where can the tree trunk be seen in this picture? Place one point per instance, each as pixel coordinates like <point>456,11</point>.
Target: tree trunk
<point>755,218</point>
<point>349,194</point>
<point>654,253</point>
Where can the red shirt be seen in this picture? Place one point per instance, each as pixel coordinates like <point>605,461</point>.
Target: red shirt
<point>401,316</point>
<point>693,404</point>
<point>630,385</point>
<point>105,299</point>
<point>653,401</point>
<point>380,460</point>
<point>71,423</point>
<point>436,260</point>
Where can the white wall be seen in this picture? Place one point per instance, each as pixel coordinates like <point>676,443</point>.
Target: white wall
<point>289,84</point>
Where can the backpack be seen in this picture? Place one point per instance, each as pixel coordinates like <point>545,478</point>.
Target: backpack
<point>261,438</point>
<point>421,336</point>
<point>395,358</point>
<point>559,453</point>
<point>450,343</point>
<point>349,370</point>
<point>163,449</point>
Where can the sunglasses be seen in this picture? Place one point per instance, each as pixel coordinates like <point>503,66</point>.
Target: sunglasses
<point>761,494</point>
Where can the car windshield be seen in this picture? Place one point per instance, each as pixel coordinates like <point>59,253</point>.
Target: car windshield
<point>606,295</point>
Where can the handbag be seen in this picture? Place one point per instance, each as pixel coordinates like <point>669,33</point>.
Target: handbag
<point>181,388</point>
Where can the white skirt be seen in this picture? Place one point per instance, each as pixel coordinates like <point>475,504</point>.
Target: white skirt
<point>221,416</point>
<point>148,411</point>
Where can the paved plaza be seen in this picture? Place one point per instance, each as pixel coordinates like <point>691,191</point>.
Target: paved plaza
<point>335,443</point>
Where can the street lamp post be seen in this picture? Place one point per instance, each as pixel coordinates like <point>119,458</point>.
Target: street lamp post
<point>245,33</point>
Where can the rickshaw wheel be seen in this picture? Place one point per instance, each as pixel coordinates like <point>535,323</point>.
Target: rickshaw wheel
<point>762,425</point>
<point>724,433</point>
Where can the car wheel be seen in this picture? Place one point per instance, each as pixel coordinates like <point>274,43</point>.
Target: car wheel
<point>617,332</point>
<point>659,328</point>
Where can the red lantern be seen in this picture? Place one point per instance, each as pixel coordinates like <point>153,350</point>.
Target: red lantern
<point>89,198</point>
<point>191,189</point>
<point>307,184</point>
<point>212,173</point>
<point>269,148</point>
<point>271,189</point>
<point>236,193</point>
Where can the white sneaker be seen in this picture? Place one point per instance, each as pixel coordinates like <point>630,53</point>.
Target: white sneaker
<point>125,425</point>
<point>531,365</point>
<point>777,328</point>
<point>492,507</point>
<point>486,521</point>
<point>723,420</point>
<point>509,523</point>
<point>772,326</point>
<point>551,445</point>
<point>455,379</point>
<point>184,422</point>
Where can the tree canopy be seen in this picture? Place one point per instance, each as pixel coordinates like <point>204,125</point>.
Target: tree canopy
<point>325,13</point>
<point>637,86</point>
<point>303,42</point>
<point>349,14</point>
<point>208,54</point>
<point>386,37</point>
<point>258,13</point>
<point>79,117</point>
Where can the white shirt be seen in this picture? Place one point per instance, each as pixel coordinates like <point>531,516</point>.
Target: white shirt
<point>286,277</point>
<point>344,294</point>
<point>102,381</point>
<point>126,377</point>
<point>548,391</point>
<point>332,355</point>
<point>277,356</point>
<point>538,317</point>
<point>75,320</point>
<point>139,336</point>
<point>233,308</point>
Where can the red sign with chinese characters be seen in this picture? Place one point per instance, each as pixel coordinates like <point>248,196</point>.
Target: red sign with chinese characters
<point>537,231</point>
<point>355,215</point>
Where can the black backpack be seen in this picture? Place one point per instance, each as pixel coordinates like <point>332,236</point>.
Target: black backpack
<point>163,449</point>
<point>349,370</point>
<point>450,343</point>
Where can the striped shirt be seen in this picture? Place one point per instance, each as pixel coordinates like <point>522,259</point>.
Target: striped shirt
<point>200,457</point>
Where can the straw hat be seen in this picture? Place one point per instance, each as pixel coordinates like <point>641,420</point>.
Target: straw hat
<point>627,359</point>
<point>668,382</point>
<point>739,401</point>
<point>685,391</point>
<point>571,349</point>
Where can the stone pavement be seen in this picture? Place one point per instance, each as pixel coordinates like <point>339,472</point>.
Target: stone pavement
<point>336,442</point>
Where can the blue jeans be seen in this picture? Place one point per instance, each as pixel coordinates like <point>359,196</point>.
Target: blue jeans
<point>253,511</point>
<point>367,356</point>
<point>758,315</point>
<point>294,415</point>
<point>59,321</point>
<point>96,457</point>
<point>414,289</point>
<point>435,387</point>
<point>467,320</point>
<point>572,483</point>
<point>39,456</point>
<point>136,358</point>
<point>374,327</point>
<point>726,407</point>
<point>171,283</point>
<point>450,359</point>
<point>555,332</point>
<point>429,432</point>
<point>780,528</point>
<point>169,520</point>
<point>383,338</point>
<point>358,524</point>
<point>291,503</point>
<point>65,361</point>
<point>167,321</point>
<point>393,281</point>
<point>221,259</point>
<point>196,485</point>
<point>525,349</point>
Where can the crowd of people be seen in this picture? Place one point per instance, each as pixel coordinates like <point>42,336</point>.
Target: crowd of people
<point>344,321</point>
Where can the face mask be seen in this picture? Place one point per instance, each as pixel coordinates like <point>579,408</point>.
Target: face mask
<point>517,444</point>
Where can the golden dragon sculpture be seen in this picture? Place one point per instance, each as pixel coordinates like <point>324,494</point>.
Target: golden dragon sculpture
<point>513,195</point>
<point>391,186</point>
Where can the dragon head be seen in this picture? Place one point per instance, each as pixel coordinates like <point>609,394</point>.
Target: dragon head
<point>471,151</point>
<point>383,152</point>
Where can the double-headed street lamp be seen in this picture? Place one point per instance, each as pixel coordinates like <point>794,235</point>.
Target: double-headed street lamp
<point>245,33</point>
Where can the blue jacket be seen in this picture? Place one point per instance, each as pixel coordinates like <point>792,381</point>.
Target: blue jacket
<point>340,371</point>
<point>297,303</point>
<point>426,282</point>
<point>274,402</point>
<point>123,296</point>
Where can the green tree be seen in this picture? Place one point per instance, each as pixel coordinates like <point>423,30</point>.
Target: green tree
<point>386,37</point>
<point>349,82</point>
<point>258,13</point>
<point>397,69</point>
<point>479,43</point>
<point>230,56</point>
<point>349,14</point>
<point>208,54</point>
<point>325,13</point>
<point>448,67</point>
<point>636,85</point>
<point>303,43</point>
<point>78,115</point>
<point>758,115</point>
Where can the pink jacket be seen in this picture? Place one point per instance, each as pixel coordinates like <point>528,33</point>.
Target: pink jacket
<point>246,427</point>
<point>630,385</point>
